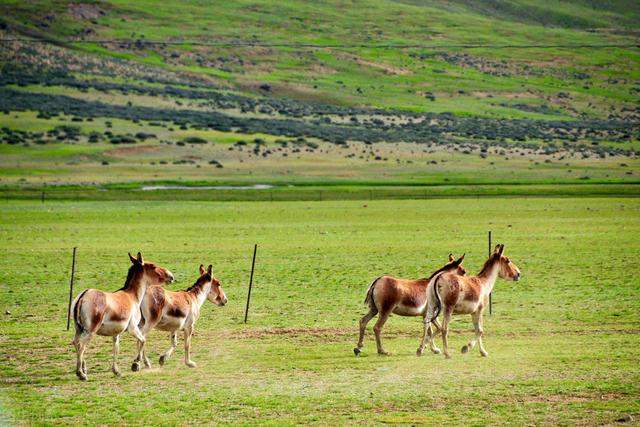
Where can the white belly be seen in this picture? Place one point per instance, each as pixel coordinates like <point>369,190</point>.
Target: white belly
<point>465,307</point>
<point>406,310</point>
<point>170,323</point>
<point>110,328</point>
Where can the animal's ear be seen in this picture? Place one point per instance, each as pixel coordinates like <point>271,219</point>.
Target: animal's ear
<point>459,260</point>
<point>451,258</point>
<point>501,250</point>
<point>497,248</point>
<point>132,259</point>
<point>210,269</point>
<point>201,270</point>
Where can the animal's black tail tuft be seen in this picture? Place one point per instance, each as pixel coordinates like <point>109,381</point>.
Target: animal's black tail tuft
<point>438,299</point>
<point>367,299</point>
<point>76,309</point>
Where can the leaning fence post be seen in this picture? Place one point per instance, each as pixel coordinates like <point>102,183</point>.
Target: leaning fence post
<point>253,264</point>
<point>73,272</point>
<point>490,302</point>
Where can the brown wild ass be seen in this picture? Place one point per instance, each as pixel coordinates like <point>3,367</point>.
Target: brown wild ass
<point>177,311</point>
<point>470,295</point>
<point>403,297</point>
<point>111,313</point>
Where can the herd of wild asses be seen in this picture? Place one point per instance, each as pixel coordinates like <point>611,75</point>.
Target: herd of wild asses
<point>143,304</point>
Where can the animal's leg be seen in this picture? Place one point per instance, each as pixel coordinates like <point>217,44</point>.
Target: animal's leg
<point>174,344</point>
<point>363,325</point>
<point>382,318</point>
<point>480,333</point>
<point>147,362</point>
<point>116,349</point>
<point>76,345</point>
<point>144,327</point>
<point>446,318</point>
<point>427,329</point>
<point>187,348</point>
<point>432,341</point>
<point>81,342</point>
<point>432,336</point>
<point>438,327</point>
<point>135,331</point>
<point>476,326</point>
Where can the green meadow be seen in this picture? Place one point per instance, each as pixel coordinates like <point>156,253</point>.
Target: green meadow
<point>348,140</point>
<point>562,342</point>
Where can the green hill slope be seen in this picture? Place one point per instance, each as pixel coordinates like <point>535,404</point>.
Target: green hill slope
<point>409,93</point>
<point>495,82</point>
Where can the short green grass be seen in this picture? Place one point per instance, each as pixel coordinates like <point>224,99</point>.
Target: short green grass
<point>562,341</point>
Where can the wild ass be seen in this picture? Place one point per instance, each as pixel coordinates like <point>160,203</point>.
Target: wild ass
<point>177,311</point>
<point>470,295</point>
<point>111,313</point>
<point>404,297</point>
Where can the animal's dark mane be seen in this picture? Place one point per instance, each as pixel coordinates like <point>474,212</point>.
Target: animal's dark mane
<point>489,263</point>
<point>448,266</point>
<point>199,283</point>
<point>131,274</point>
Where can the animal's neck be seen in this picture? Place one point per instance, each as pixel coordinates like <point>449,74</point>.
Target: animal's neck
<point>137,288</point>
<point>488,275</point>
<point>201,292</point>
<point>136,285</point>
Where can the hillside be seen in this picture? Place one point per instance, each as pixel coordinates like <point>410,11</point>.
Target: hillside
<point>320,87</point>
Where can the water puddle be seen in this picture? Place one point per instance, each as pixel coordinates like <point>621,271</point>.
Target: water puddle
<point>210,187</point>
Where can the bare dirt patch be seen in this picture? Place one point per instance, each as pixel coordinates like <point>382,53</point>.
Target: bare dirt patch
<point>389,69</point>
<point>569,398</point>
<point>85,11</point>
<point>129,151</point>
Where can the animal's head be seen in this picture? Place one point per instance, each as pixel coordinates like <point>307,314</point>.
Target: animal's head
<point>456,265</point>
<point>152,274</point>
<point>216,294</point>
<point>508,270</point>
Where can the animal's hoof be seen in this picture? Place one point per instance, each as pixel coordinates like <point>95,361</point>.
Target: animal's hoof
<point>384,353</point>
<point>147,364</point>
<point>436,351</point>
<point>484,354</point>
<point>447,356</point>
<point>419,352</point>
<point>135,366</point>
<point>162,360</point>
<point>191,364</point>
<point>464,349</point>
<point>81,375</point>
<point>116,372</point>
<point>357,351</point>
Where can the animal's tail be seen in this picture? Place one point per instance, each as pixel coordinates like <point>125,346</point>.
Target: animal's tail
<point>436,291</point>
<point>76,311</point>
<point>368,299</point>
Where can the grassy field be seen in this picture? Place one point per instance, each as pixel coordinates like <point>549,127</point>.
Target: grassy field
<point>563,341</point>
<point>373,157</point>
